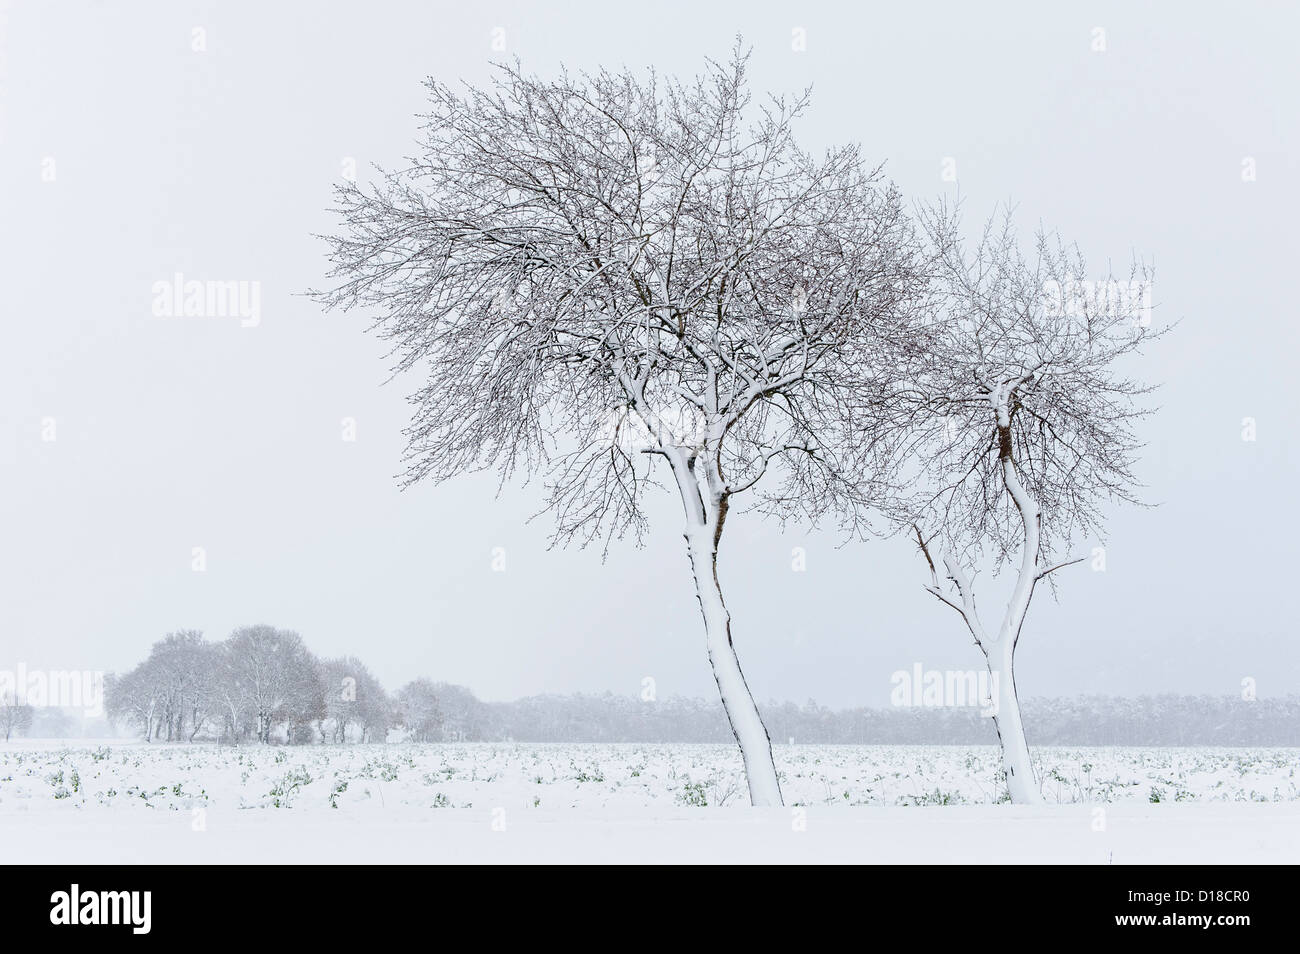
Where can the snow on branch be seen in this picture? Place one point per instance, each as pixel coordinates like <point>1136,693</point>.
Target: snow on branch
<point>563,258</point>
<point>1032,414</point>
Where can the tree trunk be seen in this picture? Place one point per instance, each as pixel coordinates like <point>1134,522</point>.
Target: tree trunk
<point>1021,784</point>
<point>703,530</point>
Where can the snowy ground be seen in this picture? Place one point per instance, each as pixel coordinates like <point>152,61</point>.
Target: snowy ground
<point>91,802</point>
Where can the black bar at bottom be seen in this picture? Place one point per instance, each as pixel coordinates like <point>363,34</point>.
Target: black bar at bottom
<point>300,903</point>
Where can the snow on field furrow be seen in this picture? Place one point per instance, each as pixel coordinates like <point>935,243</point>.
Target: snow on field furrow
<point>379,778</point>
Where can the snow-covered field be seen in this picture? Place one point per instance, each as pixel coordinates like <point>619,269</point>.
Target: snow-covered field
<point>87,802</point>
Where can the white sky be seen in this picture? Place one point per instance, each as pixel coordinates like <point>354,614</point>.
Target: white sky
<point>174,433</point>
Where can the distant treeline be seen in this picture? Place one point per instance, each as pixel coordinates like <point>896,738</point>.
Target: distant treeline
<point>1083,720</point>
<point>263,684</point>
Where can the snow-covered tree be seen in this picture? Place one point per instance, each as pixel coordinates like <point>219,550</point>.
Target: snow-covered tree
<point>354,699</point>
<point>15,716</point>
<point>184,667</point>
<point>418,710</point>
<point>171,694</point>
<point>270,677</point>
<point>134,698</point>
<point>464,717</point>
<point>611,279</point>
<point>233,702</point>
<point>1029,433</point>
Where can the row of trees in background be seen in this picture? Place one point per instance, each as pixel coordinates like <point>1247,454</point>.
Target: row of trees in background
<point>1083,720</point>
<point>263,684</point>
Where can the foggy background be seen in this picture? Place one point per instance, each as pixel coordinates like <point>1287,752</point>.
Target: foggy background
<point>176,433</point>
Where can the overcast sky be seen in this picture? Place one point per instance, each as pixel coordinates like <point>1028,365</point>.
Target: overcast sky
<point>126,156</point>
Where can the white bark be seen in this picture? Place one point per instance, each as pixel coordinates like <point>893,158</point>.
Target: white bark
<point>999,653</point>
<point>705,513</point>
<point>1000,648</point>
<point>1021,784</point>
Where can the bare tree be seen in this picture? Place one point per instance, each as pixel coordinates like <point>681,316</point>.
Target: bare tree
<point>610,279</point>
<point>353,698</point>
<point>419,712</point>
<point>461,716</point>
<point>1030,431</point>
<point>272,676</point>
<point>182,663</point>
<point>15,716</point>
<point>232,698</point>
<point>134,697</point>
